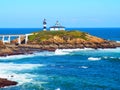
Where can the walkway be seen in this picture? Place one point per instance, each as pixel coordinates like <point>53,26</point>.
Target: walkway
<point>8,36</point>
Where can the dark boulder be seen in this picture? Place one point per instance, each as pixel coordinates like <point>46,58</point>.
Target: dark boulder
<point>5,82</point>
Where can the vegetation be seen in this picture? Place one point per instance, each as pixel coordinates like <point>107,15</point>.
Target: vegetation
<point>65,35</point>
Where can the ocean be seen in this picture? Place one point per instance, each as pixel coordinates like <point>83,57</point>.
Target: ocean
<point>66,69</point>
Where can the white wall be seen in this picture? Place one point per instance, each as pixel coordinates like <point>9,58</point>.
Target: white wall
<point>56,29</point>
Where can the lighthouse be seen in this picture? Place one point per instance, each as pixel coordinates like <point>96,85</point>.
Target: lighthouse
<point>44,25</point>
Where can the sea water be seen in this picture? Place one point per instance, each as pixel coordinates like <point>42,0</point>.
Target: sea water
<point>65,69</point>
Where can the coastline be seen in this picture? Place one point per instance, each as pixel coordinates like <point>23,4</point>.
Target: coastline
<point>24,49</point>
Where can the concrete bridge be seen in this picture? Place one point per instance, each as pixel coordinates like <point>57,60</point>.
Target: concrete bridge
<point>9,36</point>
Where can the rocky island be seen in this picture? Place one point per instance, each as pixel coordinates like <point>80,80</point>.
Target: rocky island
<point>52,40</point>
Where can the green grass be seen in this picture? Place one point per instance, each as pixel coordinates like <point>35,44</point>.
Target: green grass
<point>45,35</point>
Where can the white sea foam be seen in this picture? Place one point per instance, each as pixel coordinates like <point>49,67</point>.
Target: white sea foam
<point>84,67</point>
<point>11,66</point>
<point>45,53</point>
<point>13,71</point>
<point>94,59</point>
<point>86,51</point>
<point>110,50</point>
<point>105,57</point>
<point>73,50</point>
<point>20,78</point>
<point>61,52</point>
<point>17,57</point>
<point>111,57</point>
<point>57,89</point>
<point>68,51</point>
<point>118,41</point>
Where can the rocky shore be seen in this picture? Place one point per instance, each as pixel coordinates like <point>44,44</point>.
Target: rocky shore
<point>53,46</point>
<point>5,82</point>
<point>31,48</point>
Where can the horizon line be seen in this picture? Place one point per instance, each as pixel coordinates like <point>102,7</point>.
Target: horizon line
<point>66,27</point>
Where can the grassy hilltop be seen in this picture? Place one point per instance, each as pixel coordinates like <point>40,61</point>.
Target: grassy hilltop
<point>62,37</point>
<point>45,35</point>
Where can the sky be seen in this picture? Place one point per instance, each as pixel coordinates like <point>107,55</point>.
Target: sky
<point>70,13</point>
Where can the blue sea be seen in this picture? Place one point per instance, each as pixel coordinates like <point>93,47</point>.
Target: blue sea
<point>65,69</point>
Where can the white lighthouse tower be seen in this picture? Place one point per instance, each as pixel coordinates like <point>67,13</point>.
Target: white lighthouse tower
<point>44,25</point>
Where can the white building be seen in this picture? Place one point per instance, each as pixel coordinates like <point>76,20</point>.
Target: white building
<point>57,27</point>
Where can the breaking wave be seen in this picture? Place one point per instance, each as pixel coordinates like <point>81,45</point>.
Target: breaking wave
<point>58,52</point>
<point>68,51</point>
<point>111,58</point>
<point>16,57</point>
<point>84,67</point>
<point>57,89</point>
<point>45,53</point>
<point>118,41</point>
<point>11,66</point>
<point>94,59</point>
<point>13,72</point>
<point>103,58</point>
<point>110,50</point>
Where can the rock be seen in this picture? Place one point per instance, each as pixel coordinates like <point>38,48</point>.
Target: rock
<point>5,82</point>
